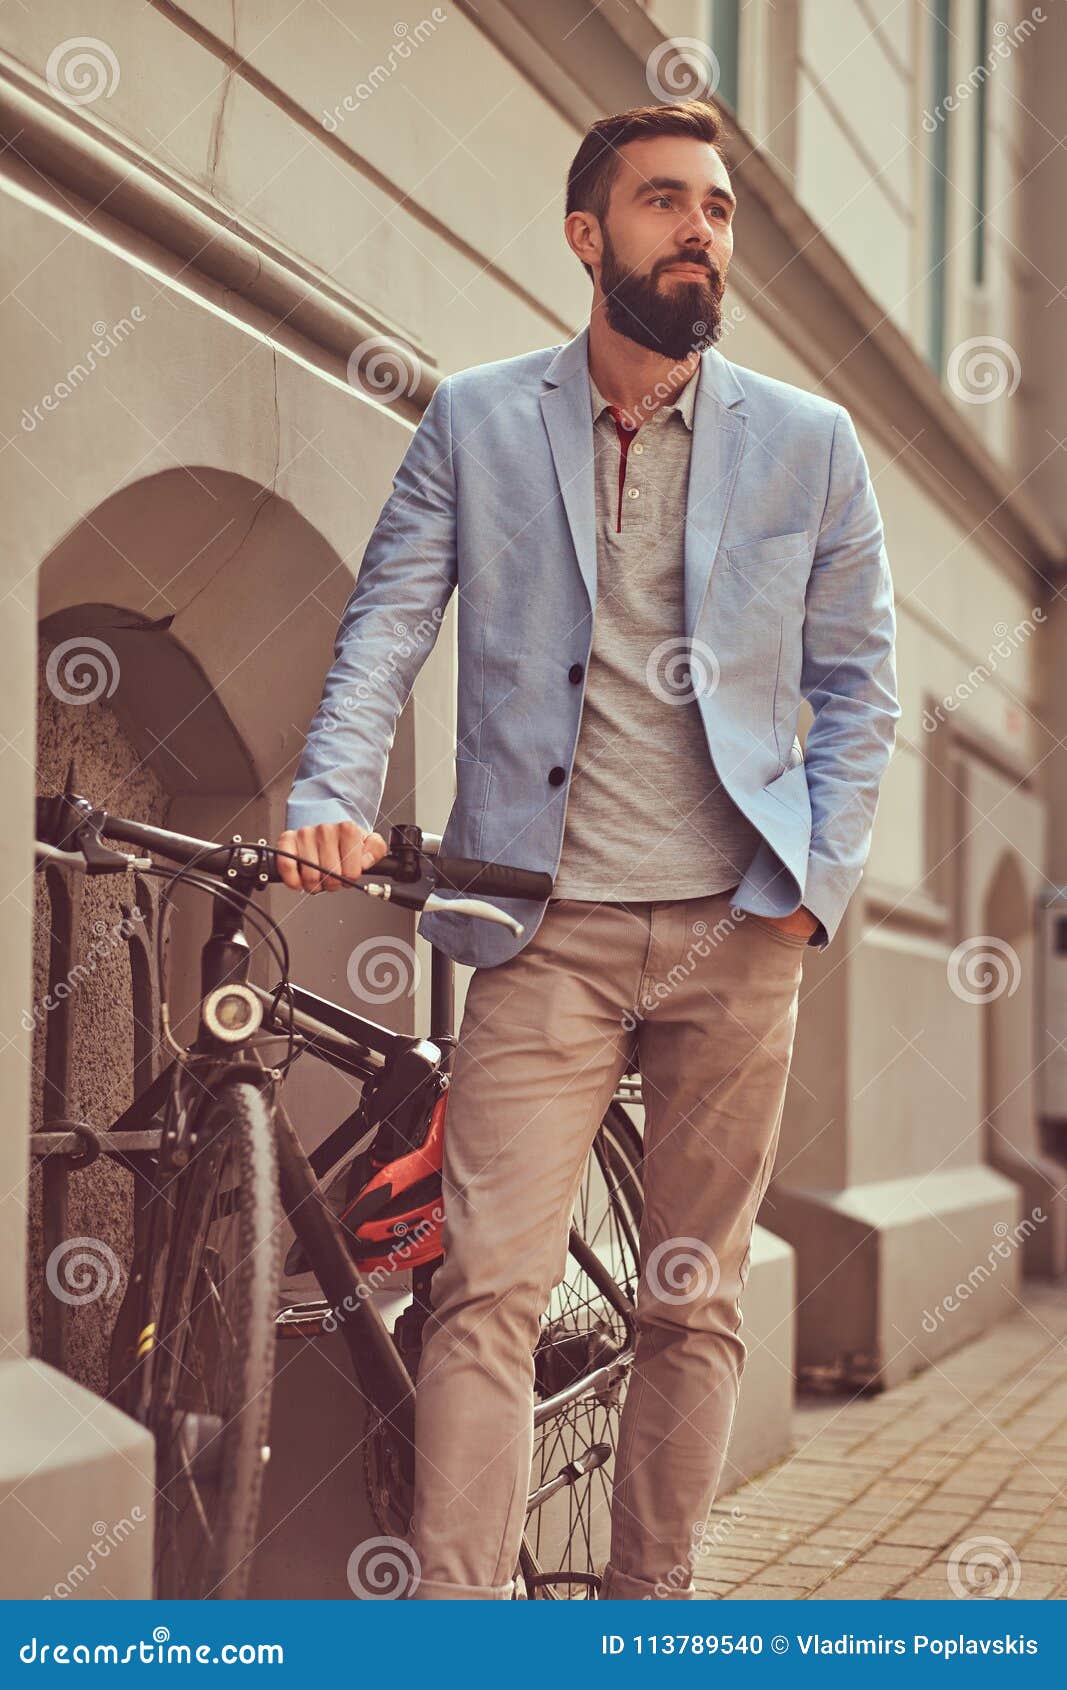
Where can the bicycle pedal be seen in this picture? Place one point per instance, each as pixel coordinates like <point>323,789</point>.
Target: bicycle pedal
<point>304,1320</point>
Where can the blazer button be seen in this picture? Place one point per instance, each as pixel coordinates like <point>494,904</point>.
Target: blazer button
<point>574,673</point>
<point>556,776</point>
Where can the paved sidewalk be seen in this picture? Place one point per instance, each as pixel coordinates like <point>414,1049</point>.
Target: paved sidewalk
<point>953,1484</point>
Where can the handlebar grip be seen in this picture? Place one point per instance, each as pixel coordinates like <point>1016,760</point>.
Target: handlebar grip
<point>491,880</point>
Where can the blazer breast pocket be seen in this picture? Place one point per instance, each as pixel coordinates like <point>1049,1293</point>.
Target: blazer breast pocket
<point>764,554</point>
<point>770,574</point>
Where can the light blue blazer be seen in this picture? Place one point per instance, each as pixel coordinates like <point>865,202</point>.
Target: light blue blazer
<point>788,596</point>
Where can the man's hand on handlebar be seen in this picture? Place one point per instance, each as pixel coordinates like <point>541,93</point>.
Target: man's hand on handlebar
<point>340,847</point>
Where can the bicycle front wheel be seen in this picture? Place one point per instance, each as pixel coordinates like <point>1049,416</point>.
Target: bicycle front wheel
<point>214,1352</point>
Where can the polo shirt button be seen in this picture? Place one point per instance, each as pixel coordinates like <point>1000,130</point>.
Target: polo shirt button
<point>574,673</point>
<point>633,492</point>
<point>556,776</point>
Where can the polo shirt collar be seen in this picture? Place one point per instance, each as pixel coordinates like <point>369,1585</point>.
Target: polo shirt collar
<point>684,402</point>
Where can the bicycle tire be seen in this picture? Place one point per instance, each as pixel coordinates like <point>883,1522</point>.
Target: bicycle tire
<point>213,1370</point>
<point>566,1541</point>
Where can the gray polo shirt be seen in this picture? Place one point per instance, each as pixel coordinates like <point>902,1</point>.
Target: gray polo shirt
<point>647,817</point>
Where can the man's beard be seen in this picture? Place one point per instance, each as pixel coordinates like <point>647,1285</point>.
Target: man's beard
<point>673,320</point>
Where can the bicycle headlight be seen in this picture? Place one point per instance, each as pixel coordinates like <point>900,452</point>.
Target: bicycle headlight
<point>232,1013</point>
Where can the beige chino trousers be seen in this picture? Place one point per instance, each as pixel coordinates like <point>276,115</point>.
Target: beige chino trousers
<point>545,1039</point>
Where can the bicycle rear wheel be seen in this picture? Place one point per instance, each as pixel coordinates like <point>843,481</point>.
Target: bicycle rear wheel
<point>583,1360</point>
<point>214,1353</point>
<point>583,1354</point>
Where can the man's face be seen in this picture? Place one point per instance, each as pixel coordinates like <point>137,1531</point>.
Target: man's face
<point>667,242</point>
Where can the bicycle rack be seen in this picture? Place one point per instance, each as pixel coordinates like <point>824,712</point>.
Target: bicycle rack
<point>64,1145</point>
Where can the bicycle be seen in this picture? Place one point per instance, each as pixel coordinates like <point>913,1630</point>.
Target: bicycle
<point>217,1162</point>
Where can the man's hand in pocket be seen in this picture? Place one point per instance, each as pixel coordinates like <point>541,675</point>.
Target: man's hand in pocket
<point>334,848</point>
<point>801,923</point>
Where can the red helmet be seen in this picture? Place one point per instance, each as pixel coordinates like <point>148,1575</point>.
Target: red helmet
<point>392,1211</point>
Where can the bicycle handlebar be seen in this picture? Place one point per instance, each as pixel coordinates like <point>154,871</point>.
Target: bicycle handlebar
<point>457,874</point>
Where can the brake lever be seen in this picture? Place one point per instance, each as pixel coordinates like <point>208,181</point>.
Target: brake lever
<point>409,899</point>
<point>110,862</point>
<point>477,907</point>
<point>71,824</point>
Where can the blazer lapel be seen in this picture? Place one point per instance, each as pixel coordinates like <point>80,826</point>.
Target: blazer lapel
<point>568,414</point>
<point>720,424</point>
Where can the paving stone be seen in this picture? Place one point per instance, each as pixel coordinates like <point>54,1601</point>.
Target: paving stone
<point>815,1555</point>
<point>735,1570</point>
<point>873,1586</point>
<point>842,1537</point>
<point>767,1593</point>
<point>935,1503</point>
<point>920,1535</point>
<point>1033,1590</point>
<point>803,1578</point>
<point>1051,1554</point>
<point>927,1590</point>
<point>847,1593</point>
<point>1010,1520</point>
<point>893,1555</point>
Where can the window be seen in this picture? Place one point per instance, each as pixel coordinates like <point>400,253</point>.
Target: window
<point>981,142</point>
<point>725,31</point>
<point>941,35</point>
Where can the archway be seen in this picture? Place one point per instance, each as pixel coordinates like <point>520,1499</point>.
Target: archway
<point>1009,1107</point>
<point>189,621</point>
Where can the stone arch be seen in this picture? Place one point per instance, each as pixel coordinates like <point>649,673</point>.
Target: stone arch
<point>217,599</point>
<point>184,627</point>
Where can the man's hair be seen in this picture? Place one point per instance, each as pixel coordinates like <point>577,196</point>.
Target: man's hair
<point>596,163</point>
